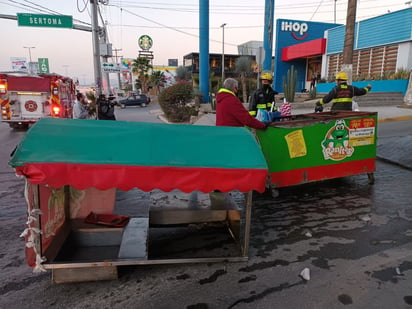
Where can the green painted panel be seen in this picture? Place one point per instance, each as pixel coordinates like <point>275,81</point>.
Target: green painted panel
<point>310,142</point>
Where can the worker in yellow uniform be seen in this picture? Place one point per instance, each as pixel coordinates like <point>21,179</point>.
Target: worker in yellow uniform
<point>341,94</point>
<point>263,97</point>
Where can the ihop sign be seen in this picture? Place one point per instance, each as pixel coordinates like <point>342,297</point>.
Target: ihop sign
<point>297,29</point>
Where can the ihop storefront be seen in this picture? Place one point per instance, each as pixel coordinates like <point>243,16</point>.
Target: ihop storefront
<point>382,46</point>
<point>301,44</point>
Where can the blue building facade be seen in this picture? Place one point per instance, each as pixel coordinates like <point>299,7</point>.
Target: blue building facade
<point>382,45</point>
<point>290,49</point>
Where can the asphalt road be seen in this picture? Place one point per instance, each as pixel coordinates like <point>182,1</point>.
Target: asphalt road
<point>355,239</point>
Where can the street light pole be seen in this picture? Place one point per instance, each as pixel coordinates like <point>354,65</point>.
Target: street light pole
<point>223,51</point>
<point>119,85</point>
<point>65,66</point>
<point>29,69</point>
<point>29,48</point>
<point>334,13</point>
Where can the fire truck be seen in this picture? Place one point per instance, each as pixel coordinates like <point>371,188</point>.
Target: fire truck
<point>27,98</point>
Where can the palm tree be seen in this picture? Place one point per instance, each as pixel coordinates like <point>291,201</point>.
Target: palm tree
<point>158,80</point>
<point>141,66</point>
<point>243,66</point>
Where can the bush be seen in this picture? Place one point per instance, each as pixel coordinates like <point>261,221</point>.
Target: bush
<point>174,102</point>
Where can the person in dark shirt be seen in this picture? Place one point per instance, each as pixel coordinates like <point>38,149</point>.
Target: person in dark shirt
<point>341,94</point>
<point>264,97</point>
<point>106,108</point>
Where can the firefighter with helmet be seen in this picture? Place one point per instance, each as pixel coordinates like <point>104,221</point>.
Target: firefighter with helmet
<point>341,94</point>
<point>263,97</point>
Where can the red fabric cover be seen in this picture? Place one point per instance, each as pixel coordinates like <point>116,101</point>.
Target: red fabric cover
<point>107,219</point>
<point>146,178</point>
<point>230,112</point>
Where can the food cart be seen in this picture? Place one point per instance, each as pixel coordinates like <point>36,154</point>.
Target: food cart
<point>319,146</point>
<point>75,170</point>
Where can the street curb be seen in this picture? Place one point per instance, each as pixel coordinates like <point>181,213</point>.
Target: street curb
<point>399,118</point>
<point>393,162</point>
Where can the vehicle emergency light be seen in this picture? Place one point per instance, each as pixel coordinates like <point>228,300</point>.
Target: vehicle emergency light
<point>56,110</point>
<point>3,86</point>
<point>55,90</point>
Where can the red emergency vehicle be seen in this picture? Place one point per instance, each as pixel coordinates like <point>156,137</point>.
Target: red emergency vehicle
<point>27,98</point>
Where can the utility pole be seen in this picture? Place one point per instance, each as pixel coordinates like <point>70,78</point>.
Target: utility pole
<point>107,53</point>
<point>349,39</point>
<point>119,85</point>
<point>96,48</point>
<point>268,35</point>
<point>223,51</point>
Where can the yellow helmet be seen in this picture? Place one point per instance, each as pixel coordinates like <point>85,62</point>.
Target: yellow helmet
<point>266,76</point>
<point>341,76</point>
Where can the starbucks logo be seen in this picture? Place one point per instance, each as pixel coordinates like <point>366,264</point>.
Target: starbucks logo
<point>145,42</point>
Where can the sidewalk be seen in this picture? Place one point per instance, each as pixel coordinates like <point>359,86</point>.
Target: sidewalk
<point>385,114</point>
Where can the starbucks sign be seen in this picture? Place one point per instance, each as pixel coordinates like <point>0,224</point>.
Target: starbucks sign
<point>145,42</point>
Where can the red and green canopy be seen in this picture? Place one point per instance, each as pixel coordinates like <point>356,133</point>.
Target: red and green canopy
<point>147,156</point>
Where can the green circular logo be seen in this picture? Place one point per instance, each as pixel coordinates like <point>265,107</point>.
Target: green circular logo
<point>145,42</point>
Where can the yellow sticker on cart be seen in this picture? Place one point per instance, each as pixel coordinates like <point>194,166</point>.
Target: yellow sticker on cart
<point>296,144</point>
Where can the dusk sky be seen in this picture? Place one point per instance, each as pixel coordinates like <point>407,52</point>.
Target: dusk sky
<point>173,27</point>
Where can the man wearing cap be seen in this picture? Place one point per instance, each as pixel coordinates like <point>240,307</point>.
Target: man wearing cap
<point>341,94</point>
<point>263,97</point>
<point>230,111</point>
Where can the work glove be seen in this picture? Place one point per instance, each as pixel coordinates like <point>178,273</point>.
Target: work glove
<point>369,86</point>
<point>318,107</point>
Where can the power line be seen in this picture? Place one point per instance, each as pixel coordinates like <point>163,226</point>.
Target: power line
<point>40,9</point>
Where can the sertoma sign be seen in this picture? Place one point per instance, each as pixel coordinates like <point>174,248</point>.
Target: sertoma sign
<point>41,20</point>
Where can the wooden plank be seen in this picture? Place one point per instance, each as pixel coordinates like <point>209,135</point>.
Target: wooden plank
<point>186,216</point>
<point>57,243</point>
<point>134,240</point>
<point>83,274</point>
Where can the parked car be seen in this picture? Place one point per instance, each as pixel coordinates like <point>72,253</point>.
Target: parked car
<point>135,100</point>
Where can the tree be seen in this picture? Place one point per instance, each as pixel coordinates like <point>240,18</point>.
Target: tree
<point>182,73</point>
<point>157,80</point>
<point>243,66</point>
<point>141,66</point>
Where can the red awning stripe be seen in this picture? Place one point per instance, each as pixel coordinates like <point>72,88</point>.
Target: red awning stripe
<point>146,178</point>
<point>303,50</point>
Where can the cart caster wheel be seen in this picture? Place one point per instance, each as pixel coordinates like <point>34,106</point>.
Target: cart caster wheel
<point>275,192</point>
<point>371,178</point>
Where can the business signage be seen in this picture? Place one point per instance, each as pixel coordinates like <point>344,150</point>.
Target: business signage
<point>297,29</point>
<point>41,20</point>
<point>19,64</point>
<point>110,67</point>
<point>43,65</point>
<point>145,42</point>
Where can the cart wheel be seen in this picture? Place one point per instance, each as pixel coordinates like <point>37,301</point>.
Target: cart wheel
<point>371,178</point>
<point>275,192</point>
